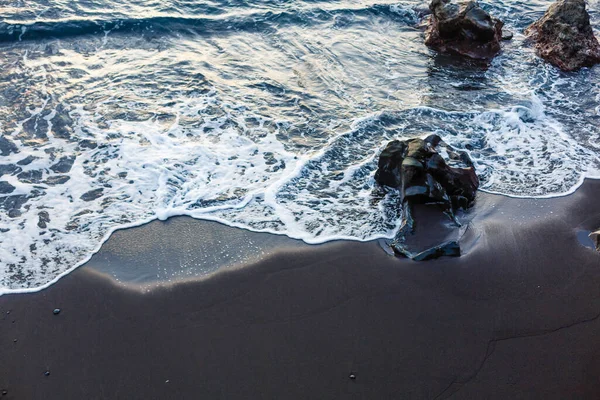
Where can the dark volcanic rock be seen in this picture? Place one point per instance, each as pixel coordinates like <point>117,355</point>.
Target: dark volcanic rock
<point>463,28</point>
<point>92,194</point>
<point>416,168</point>
<point>564,36</point>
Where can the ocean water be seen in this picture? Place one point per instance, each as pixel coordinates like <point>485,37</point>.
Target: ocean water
<point>266,115</point>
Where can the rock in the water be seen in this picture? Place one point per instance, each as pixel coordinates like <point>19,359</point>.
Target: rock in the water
<point>56,311</point>
<point>423,176</point>
<point>463,28</point>
<point>564,36</point>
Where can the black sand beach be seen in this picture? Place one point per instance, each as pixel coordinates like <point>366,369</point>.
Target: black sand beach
<point>517,317</point>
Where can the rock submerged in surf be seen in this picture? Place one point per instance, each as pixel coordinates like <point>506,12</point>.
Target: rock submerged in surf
<point>417,169</point>
<point>463,28</point>
<point>564,37</point>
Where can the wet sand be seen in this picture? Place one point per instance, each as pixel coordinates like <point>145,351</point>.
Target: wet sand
<point>517,317</point>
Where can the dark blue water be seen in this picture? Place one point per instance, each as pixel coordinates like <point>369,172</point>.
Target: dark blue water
<point>265,115</point>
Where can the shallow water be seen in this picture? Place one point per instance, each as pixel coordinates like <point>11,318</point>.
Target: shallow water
<point>265,115</point>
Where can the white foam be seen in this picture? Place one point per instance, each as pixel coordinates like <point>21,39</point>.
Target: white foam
<point>245,177</point>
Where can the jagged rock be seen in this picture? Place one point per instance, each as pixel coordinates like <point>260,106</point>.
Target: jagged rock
<point>564,36</point>
<point>423,176</point>
<point>463,28</point>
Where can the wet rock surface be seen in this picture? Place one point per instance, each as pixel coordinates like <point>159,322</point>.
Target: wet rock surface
<point>463,28</point>
<point>417,169</point>
<point>564,37</point>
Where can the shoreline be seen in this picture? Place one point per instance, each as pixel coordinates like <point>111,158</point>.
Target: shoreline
<point>292,241</point>
<point>516,316</point>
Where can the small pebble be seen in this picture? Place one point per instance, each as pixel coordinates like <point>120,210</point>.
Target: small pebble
<point>4,392</point>
<point>47,373</point>
<point>56,311</point>
<point>352,376</point>
<point>8,312</point>
<point>15,340</point>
